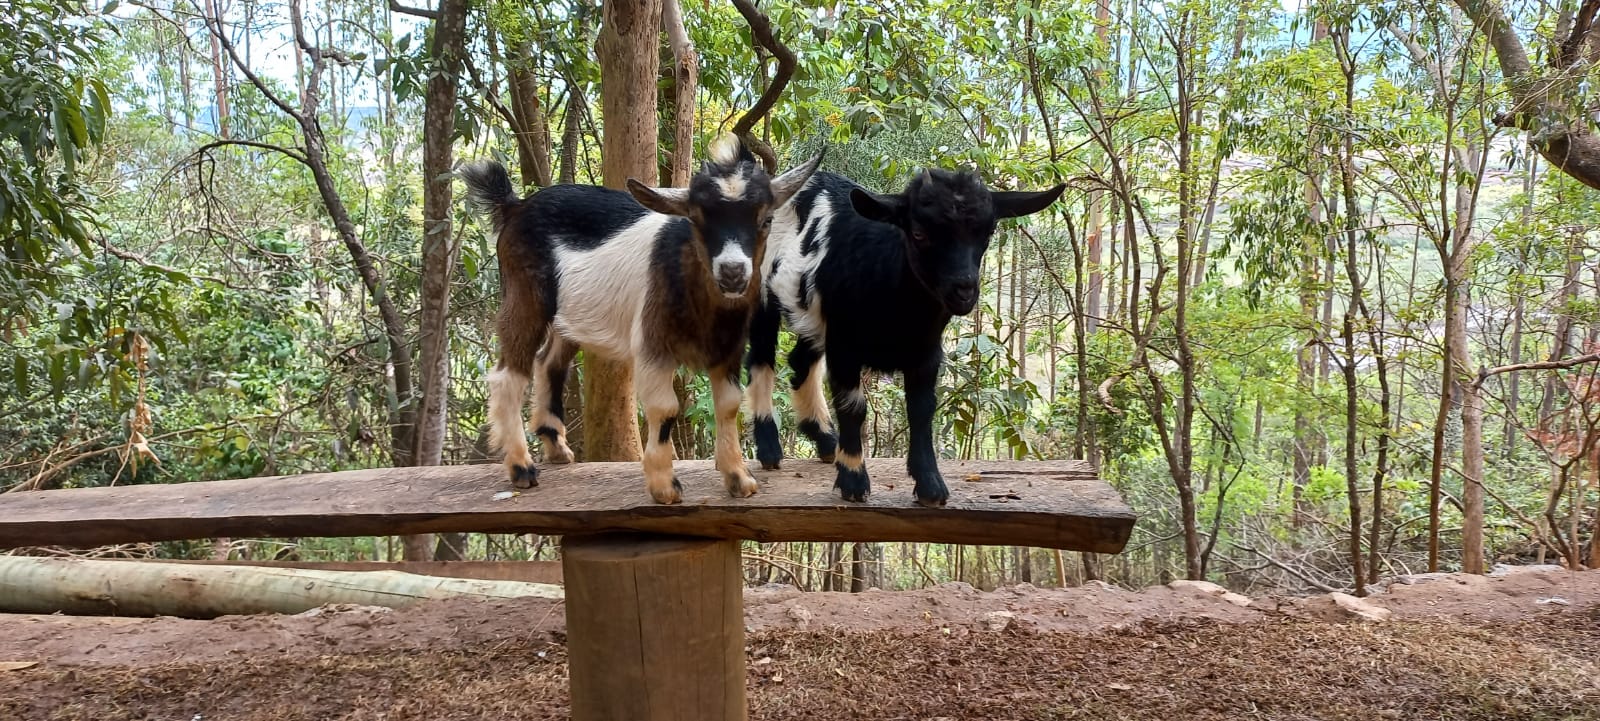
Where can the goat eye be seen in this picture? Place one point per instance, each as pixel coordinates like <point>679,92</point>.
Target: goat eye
<point>920,237</point>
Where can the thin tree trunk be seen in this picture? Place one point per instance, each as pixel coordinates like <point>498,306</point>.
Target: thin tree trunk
<point>219,71</point>
<point>686,82</point>
<point>1518,314</point>
<point>438,244</point>
<point>1102,20</point>
<point>532,126</point>
<point>858,562</point>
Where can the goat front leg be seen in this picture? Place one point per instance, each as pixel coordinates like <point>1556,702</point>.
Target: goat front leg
<point>653,384</point>
<point>921,461</point>
<point>850,404</point>
<point>809,405</point>
<point>725,394</point>
<point>507,391</point>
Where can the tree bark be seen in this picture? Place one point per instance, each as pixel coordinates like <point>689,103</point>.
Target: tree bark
<point>629,38</point>
<point>532,126</point>
<point>686,77</point>
<point>438,244</point>
<point>1540,103</point>
<point>134,588</point>
<point>219,71</point>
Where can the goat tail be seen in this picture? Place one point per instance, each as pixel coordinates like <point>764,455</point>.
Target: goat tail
<point>489,190</point>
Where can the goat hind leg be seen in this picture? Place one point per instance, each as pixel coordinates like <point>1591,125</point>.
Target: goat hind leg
<point>507,390</point>
<point>809,405</point>
<point>548,420</point>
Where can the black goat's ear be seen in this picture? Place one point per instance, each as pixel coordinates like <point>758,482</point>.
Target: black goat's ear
<point>882,208</point>
<point>1016,203</point>
<point>671,201</point>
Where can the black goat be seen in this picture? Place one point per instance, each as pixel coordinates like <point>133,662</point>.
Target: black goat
<point>871,280</point>
<point>672,279</point>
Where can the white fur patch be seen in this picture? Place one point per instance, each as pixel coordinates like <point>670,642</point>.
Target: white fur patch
<point>763,383</point>
<point>783,250</point>
<point>602,290</point>
<point>507,390</point>
<point>809,403</point>
<point>653,385</point>
<point>725,150</point>
<point>732,256</point>
<point>732,186</point>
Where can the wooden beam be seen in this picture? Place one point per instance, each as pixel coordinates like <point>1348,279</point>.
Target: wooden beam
<point>1048,504</point>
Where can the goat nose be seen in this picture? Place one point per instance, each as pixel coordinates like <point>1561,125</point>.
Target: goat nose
<point>966,291</point>
<point>732,277</point>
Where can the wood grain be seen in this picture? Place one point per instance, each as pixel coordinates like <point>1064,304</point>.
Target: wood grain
<point>1046,504</point>
<point>655,628</point>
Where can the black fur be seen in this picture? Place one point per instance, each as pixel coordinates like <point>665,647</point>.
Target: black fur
<point>666,429</point>
<point>767,439</point>
<point>894,271</point>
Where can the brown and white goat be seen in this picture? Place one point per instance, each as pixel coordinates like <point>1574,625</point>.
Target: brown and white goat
<point>661,277</point>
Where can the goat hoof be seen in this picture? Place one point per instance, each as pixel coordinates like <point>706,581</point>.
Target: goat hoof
<point>826,458</point>
<point>931,501</point>
<point>669,495</point>
<point>740,485</point>
<point>524,476</point>
<point>557,458</point>
<point>853,485</point>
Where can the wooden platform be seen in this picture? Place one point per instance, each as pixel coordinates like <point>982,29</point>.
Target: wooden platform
<point>1052,504</point>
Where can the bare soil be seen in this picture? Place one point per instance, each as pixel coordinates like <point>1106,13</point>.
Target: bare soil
<point>1522,646</point>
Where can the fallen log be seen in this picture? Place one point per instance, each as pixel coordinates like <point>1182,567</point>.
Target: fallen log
<point>131,588</point>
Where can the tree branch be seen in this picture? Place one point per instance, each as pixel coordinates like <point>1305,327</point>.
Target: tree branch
<point>214,25</point>
<point>761,33</point>
<point>1484,374</point>
<point>419,12</point>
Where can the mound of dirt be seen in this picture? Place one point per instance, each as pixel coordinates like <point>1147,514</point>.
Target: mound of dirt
<point>1518,646</point>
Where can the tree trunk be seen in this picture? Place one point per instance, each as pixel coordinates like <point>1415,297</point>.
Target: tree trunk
<point>858,562</point>
<point>686,81</point>
<point>532,126</point>
<point>1102,27</point>
<point>136,588</point>
<point>219,71</point>
<point>629,38</point>
<point>1518,318</point>
<point>438,245</point>
<point>1540,103</point>
<point>571,133</point>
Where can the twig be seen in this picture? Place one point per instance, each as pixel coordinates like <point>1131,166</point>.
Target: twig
<point>1275,563</point>
<point>419,12</point>
<point>761,33</point>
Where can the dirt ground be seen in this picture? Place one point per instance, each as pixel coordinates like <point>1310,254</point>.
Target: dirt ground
<point>1524,645</point>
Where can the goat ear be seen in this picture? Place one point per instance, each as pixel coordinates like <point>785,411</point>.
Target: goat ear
<point>882,208</point>
<point>1013,204</point>
<point>671,201</point>
<point>785,186</point>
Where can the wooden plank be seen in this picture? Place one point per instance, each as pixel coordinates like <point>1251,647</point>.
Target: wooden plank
<point>526,571</point>
<point>1046,504</point>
